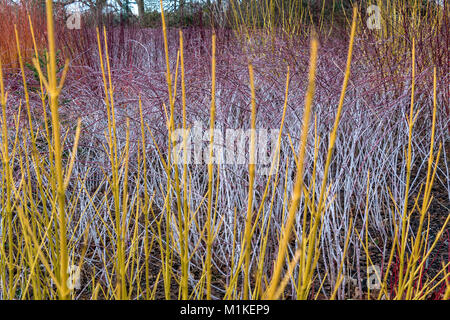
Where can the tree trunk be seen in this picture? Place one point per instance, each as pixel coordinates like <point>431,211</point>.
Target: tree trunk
<point>100,4</point>
<point>141,10</point>
<point>181,7</point>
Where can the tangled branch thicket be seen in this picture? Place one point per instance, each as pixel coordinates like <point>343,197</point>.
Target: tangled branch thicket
<point>94,205</point>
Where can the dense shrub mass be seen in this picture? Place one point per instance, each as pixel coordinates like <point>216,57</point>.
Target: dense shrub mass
<point>353,204</point>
